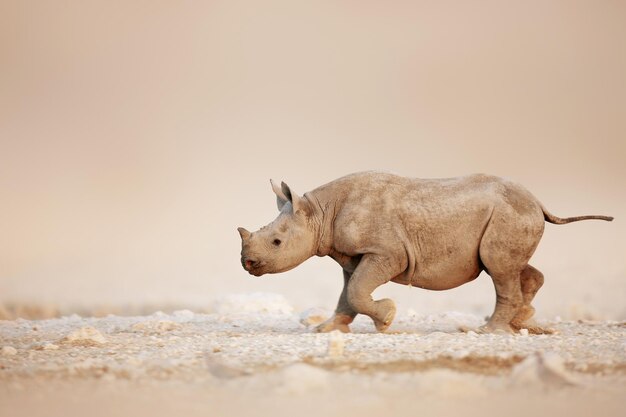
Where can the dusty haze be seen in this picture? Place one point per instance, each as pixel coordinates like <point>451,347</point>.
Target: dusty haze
<point>136,136</point>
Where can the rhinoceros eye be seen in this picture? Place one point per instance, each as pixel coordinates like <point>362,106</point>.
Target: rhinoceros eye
<point>276,242</point>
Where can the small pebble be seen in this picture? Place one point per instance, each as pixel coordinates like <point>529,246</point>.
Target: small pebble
<point>49,346</point>
<point>156,327</point>
<point>85,336</point>
<point>184,315</point>
<point>336,344</point>
<point>314,316</point>
<point>8,351</point>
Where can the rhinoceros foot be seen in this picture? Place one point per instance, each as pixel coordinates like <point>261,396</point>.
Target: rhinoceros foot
<point>523,320</point>
<point>532,327</point>
<point>498,328</point>
<point>387,309</point>
<point>337,322</point>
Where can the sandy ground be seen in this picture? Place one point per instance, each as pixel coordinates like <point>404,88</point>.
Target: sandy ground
<point>255,355</point>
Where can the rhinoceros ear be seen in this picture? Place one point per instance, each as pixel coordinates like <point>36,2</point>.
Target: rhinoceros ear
<point>281,199</point>
<point>297,203</point>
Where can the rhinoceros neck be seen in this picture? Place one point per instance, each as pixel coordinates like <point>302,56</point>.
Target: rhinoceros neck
<point>324,204</point>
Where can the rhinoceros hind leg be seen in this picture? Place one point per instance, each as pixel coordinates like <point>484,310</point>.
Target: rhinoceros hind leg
<point>509,240</point>
<point>531,279</point>
<point>508,303</point>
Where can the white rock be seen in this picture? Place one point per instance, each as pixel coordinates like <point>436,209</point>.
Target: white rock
<point>184,315</point>
<point>336,344</point>
<point>314,316</point>
<point>8,350</point>
<point>252,303</point>
<point>156,326</point>
<point>547,369</point>
<point>303,379</point>
<point>85,336</point>
<point>49,346</point>
<point>523,332</point>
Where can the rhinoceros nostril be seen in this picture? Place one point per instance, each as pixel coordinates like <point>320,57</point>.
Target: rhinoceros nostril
<point>249,263</point>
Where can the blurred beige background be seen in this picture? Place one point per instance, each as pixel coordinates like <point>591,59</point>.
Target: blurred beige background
<point>135,136</point>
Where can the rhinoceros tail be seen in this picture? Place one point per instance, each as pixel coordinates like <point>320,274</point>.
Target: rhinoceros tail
<point>551,218</point>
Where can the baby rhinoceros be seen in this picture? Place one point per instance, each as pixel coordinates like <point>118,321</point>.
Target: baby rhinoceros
<point>435,234</point>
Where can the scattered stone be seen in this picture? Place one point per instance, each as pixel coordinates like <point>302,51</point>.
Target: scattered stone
<point>267,351</point>
<point>156,326</point>
<point>547,369</point>
<point>163,326</point>
<point>301,378</point>
<point>85,336</point>
<point>8,351</point>
<point>46,346</point>
<point>314,316</point>
<point>336,344</point>
<point>523,332</point>
<point>49,346</point>
<point>184,315</point>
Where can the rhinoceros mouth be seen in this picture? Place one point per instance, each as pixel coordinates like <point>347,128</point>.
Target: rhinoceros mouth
<point>256,270</point>
<point>256,273</point>
<point>263,268</point>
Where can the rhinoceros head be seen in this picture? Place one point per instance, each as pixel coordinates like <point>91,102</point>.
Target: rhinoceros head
<point>284,243</point>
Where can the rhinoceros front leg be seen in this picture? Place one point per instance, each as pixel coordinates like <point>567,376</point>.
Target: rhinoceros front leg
<point>344,314</point>
<point>372,272</point>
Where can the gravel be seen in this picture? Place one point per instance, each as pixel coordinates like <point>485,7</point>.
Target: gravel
<point>268,351</point>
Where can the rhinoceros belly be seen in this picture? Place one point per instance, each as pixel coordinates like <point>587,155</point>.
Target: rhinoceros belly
<point>443,275</point>
<point>444,253</point>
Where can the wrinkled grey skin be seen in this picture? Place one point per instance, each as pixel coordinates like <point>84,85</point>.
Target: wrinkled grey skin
<point>435,234</point>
